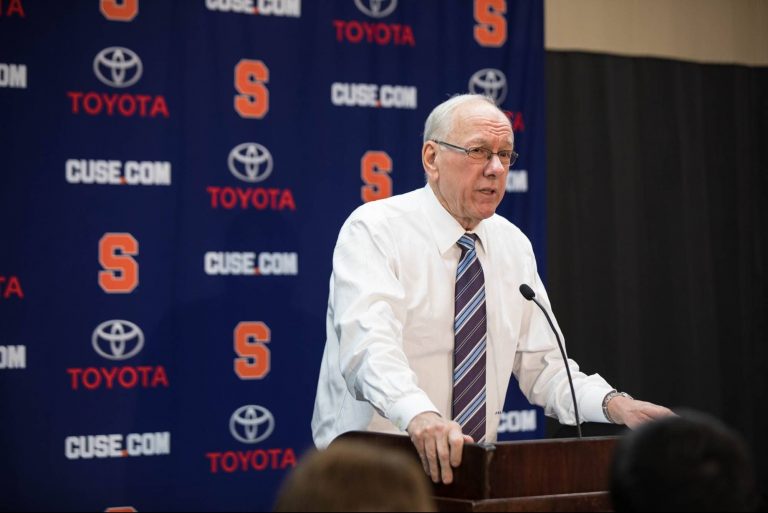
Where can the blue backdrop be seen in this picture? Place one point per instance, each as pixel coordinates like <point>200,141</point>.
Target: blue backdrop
<point>174,176</point>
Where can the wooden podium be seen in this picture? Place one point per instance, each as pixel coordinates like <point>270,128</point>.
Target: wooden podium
<point>534,475</point>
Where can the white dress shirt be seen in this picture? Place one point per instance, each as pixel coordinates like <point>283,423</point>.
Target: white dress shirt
<point>389,348</point>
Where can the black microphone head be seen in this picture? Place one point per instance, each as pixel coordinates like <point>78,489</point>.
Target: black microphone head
<point>527,292</point>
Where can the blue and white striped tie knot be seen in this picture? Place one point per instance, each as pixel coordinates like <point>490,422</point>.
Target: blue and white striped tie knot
<point>467,241</point>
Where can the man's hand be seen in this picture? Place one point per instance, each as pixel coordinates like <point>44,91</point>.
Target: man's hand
<point>634,413</point>
<point>440,444</point>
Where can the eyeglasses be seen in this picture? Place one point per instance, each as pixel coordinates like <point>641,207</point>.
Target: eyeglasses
<point>507,157</point>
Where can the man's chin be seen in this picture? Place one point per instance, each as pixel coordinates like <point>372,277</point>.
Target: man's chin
<point>487,211</point>
<point>483,215</point>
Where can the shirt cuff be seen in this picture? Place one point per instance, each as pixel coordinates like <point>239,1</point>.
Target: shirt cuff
<point>591,404</point>
<point>403,411</point>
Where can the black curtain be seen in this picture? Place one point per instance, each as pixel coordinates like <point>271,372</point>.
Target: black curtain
<point>658,230</point>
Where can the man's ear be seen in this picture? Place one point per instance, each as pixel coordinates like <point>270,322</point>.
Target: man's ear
<point>429,158</point>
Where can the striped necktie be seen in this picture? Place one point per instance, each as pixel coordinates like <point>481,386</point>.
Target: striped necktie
<point>470,330</point>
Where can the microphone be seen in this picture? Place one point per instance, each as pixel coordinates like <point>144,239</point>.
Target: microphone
<point>530,295</point>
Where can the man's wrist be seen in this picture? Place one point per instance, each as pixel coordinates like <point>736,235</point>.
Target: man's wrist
<point>422,417</point>
<point>405,410</point>
<point>607,399</point>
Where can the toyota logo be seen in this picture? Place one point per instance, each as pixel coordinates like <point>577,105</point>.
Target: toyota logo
<point>118,340</point>
<point>377,8</point>
<point>489,82</point>
<point>252,424</point>
<point>250,162</point>
<point>118,67</point>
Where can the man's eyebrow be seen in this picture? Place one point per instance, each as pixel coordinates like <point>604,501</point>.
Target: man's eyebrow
<point>484,142</point>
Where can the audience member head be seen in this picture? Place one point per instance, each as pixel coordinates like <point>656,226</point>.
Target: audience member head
<point>686,463</point>
<point>353,476</point>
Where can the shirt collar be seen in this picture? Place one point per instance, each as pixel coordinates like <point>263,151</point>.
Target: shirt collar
<point>445,228</point>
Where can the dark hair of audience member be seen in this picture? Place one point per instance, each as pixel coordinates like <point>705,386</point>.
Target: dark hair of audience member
<point>688,463</point>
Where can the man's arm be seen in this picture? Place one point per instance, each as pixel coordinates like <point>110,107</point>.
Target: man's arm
<point>541,373</point>
<point>370,312</point>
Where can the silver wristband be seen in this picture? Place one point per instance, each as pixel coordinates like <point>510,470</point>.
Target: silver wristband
<point>610,395</point>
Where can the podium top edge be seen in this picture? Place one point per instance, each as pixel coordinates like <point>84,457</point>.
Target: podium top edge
<point>403,439</point>
<point>558,440</point>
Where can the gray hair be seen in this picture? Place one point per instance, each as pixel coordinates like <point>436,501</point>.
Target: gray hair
<point>441,120</point>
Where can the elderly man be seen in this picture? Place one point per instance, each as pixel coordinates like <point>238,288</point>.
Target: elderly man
<point>425,323</point>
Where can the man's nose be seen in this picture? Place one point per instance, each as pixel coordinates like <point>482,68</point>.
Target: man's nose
<point>494,166</point>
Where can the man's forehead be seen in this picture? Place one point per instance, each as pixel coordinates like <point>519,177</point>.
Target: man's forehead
<point>481,119</point>
<point>485,130</point>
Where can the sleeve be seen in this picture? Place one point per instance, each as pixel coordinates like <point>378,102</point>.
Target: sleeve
<point>369,313</point>
<point>542,375</point>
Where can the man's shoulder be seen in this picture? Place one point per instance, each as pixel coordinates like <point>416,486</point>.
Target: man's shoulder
<point>503,229</point>
<point>388,208</point>
<point>501,224</point>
